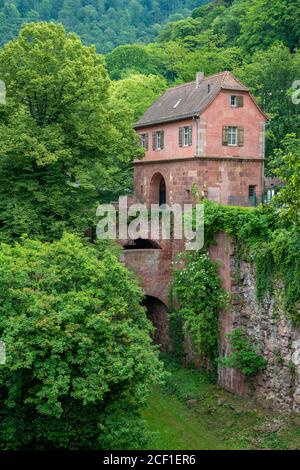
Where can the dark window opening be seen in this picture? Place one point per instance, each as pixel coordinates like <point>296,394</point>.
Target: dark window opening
<point>141,244</point>
<point>162,193</point>
<point>252,191</point>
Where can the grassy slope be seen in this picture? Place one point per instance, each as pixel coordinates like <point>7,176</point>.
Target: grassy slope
<point>189,413</point>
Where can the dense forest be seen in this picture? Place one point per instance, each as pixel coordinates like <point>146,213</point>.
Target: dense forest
<point>106,23</point>
<point>80,362</point>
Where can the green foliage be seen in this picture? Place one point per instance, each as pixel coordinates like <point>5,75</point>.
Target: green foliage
<point>176,328</point>
<point>105,23</point>
<point>271,243</point>
<point>286,165</point>
<point>196,286</point>
<point>244,354</point>
<point>136,92</point>
<point>79,356</point>
<point>61,142</point>
<point>270,76</point>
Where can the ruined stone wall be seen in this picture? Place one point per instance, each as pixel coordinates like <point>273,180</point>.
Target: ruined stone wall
<point>279,384</point>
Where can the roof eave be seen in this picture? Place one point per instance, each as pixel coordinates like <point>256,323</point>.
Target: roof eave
<point>166,120</point>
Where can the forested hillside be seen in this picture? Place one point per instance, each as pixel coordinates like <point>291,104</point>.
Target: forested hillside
<point>106,23</point>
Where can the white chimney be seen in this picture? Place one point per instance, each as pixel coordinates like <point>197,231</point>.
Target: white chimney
<point>199,78</point>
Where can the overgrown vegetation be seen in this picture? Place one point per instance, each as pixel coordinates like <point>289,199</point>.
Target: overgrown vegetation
<point>244,355</point>
<point>198,292</point>
<point>268,239</point>
<point>80,361</point>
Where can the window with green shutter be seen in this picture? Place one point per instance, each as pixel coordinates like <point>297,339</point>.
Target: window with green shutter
<point>225,135</point>
<point>241,136</point>
<point>180,136</point>
<point>240,101</point>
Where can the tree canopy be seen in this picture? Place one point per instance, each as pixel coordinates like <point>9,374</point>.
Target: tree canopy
<point>60,138</point>
<point>80,360</point>
<point>105,23</point>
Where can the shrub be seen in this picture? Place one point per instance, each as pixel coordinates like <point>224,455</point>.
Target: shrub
<point>245,354</point>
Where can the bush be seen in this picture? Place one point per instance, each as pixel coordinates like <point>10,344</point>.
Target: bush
<point>245,355</point>
<point>79,356</point>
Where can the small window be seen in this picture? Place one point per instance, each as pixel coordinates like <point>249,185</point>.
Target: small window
<point>233,101</point>
<point>159,140</point>
<point>144,141</point>
<point>208,88</point>
<point>252,191</point>
<point>185,136</point>
<point>232,136</point>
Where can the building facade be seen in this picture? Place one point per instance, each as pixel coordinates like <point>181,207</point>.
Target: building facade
<point>211,133</point>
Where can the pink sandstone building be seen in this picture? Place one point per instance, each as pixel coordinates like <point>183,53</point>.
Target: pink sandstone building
<point>210,132</point>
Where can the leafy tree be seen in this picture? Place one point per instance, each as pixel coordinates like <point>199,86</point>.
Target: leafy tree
<point>270,76</point>
<point>286,165</point>
<point>79,356</point>
<point>59,137</point>
<point>267,22</point>
<point>134,58</point>
<point>138,92</point>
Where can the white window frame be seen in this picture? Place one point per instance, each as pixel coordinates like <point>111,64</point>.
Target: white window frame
<point>233,101</point>
<point>143,140</point>
<point>158,140</point>
<point>186,136</point>
<point>232,136</point>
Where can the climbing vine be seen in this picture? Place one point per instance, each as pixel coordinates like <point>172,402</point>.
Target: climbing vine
<point>197,290</point>
<point>264,238</point>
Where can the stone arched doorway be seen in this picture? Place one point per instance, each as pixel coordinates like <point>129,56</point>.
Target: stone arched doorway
<point>157,313</point>
<point>158,190</point>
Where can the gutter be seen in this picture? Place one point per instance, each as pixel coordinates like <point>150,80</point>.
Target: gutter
<point>162,121</point>
<point>197,119</point>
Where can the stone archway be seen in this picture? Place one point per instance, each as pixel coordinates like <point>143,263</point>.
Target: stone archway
<point>158,190</point>
<point>157,313</point>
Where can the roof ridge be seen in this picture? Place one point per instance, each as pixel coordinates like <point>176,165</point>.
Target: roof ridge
<point>209,77</point>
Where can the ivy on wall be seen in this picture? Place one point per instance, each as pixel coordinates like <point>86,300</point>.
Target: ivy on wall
<point>272,245</point>
<point>197,290</point>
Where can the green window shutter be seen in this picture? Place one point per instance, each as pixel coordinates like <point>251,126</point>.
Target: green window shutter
<point>147,141</point>
<point>240,101</point>
<point>241,136</point>
<point>180,136</point>
<point>162,140</point>
<point>225,135</point>
<point>190,135</point>
<point>154,140</point>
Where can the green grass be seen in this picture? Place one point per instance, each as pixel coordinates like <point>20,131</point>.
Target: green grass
<point>190,413</point>
<point>175,427</point>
